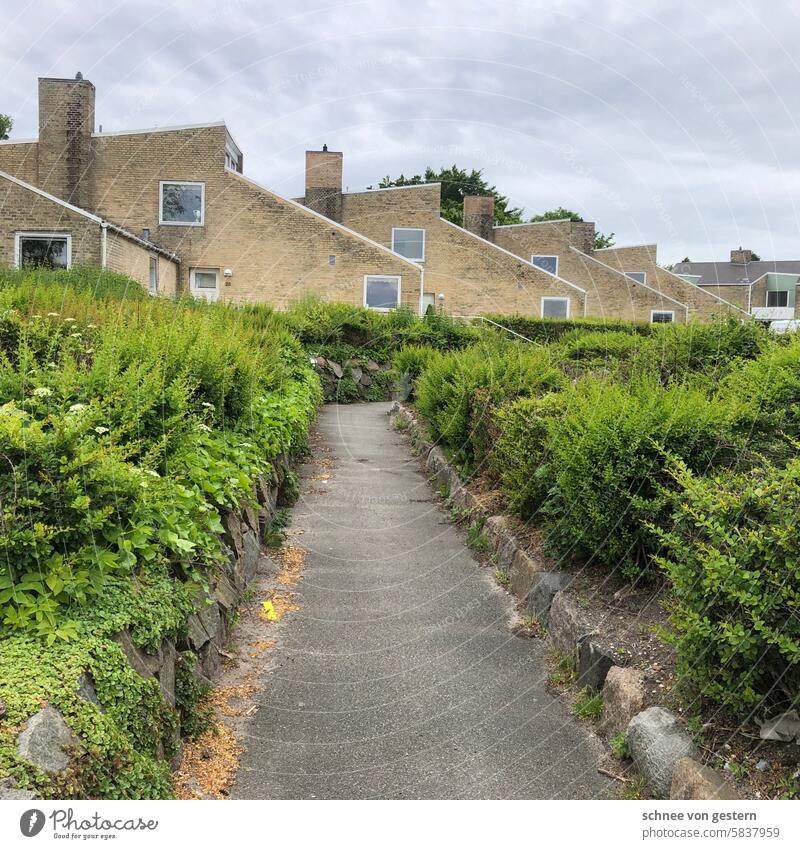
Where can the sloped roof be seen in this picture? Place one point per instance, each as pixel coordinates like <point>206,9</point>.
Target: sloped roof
<point>729,273</point>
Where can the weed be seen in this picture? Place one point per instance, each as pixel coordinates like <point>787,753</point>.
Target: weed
<point>502,577</point>
<point>476,539</point>
<point>588,705</point>
<point>619,746</point>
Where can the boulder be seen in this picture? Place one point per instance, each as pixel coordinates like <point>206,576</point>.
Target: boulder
<point>566,624</point>
<point>166,674</point>
<point>365,379</point>
<point>522,573</point>
<point>225,593</point>
<point>144,663</point>
<point>504,544</point>
<point>249,560</point>
<point>691,780</point>
<point>335,368</point>
<point>11,793</point>
<point>543,590</point>
<point>656,742</point>
<point>196,635</point>
<point>623,698</point>
<point>593,663</point>
<point>355,373</point>
<point>372,365</point>
<point>47,740</point>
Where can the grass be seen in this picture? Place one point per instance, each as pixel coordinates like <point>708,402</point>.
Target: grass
<point>588,705</point>
<point>635,789</point>
<point>476,538</point>
<point>619,746</point>
<point>503,578</point>
<point>563,669</point>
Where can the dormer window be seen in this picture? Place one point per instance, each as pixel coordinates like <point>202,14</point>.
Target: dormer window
<point>182,203</point>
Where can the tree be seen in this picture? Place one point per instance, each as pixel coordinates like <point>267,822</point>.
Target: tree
<point>601,240</point>
<point>456,183</point>
<point>755,257</point>
<point>6,123</point>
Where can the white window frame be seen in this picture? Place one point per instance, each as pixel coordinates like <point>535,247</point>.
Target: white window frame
<point>643,281</point>
<point>412,258</point>
<point>162,222</point>
<point>776,306</point>
<point>18,237</point>
<point>670,313</point>
<point>545,256</point>
<point>395,277</point>
<point>553,298</point>
<point>193,288</point>
<point>153,258</point>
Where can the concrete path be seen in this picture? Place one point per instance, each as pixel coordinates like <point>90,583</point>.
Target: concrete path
<point>398,676</point>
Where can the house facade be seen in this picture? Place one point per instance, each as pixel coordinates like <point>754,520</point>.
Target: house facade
<point>178,197</point>
<point>766,289</point>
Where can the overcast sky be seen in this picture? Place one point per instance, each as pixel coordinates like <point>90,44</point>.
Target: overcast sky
<point>667,121</point>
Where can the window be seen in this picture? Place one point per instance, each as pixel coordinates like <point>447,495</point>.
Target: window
<point>51,250</point>
<point>638,276</point>
<point>182,203</point>
<point>152,282</point>
<point>409,242</point>
<point>555,307</point>
<point>778,298</point>
<point>546,262</point>
<point>381,293</point>
<point>662,316</point>
<point>205,283</point>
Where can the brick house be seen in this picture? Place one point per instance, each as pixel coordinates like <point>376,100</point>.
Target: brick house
<point>767,289</point>
<point>181,190</point>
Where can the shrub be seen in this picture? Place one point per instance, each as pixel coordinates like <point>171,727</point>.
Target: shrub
<point>598,346</point>
<point>733,557</point>
<point>607,458</point>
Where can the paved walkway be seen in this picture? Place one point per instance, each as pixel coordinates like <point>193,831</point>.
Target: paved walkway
<point>398,676</point>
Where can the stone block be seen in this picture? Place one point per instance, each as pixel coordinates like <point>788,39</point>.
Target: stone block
<point>543,590</point>
<point>656,742</point>
<point>144,663</point>
<point>566,624</point>
<point>691,780</point>
<point>11,793</point>
<point>522,572</point>
<point>623,698</point>
<point>86,689</point>
<point>593,663</point>
<point>47,740</point>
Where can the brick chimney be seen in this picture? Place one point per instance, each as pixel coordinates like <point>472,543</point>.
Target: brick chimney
<point>324,182</point>
<point>479,215</point>
<point>66,124</point>
<point>741,256</point>
<point>581,235</point>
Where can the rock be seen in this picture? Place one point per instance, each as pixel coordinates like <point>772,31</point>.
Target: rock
<point>566,624</point>
<point>145,664</point>
<point>372,365</point>
<point>46,741</point>
<point>356,372</point>
<point>321,361</point>
<point>166,674</point>
<point>86,689</point>
<point>543,589</point>
<point>691,780</point>
<point>522,573</point>
<point>10,792</point>
<point>252,551</point>
<point>197,636</point>
<point>435,460</point>
<point>594,662</point>
<point>233,531</point>
<point>784,727</point>
<point>464,500</point>
<point>623,698</point>
<point>2,709</point>
<point>504,544</point>
<point>656,742</point>
<point>365,379</point>
<point>225,593</point>
<point>335,368</point>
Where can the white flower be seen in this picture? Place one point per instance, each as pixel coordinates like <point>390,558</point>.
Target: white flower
<point>35,316</point>
<point>207,404</point>
<point>77,335</point>
<point>70,320</point>
<point>153,474</point>
<point>54,314</point>
<point>100,429</point>
<point>42,392</point>
<point>76,408</point>
<point>91,326</point>
<point>204,427</point>
<point>89,351</point>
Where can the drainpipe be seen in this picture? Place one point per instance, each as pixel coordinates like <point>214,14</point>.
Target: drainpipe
<point>750,299</point>
<point>104,245</point>
<point>421,290</point>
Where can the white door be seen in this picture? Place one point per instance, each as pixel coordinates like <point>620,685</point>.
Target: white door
<point>428,300</point>
<point>205,283</point>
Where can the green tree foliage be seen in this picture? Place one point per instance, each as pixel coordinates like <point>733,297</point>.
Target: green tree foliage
<point>456,183</point>
<point>6,123</point>
<point>601,240</point>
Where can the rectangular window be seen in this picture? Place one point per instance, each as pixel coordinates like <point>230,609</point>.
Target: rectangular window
<point>50,250</point>
<point>409,242</point>
<point>182,203</point>
<point>638,276</point>
<point>204,283</point>
<point>546,262</point>
<point>152,283</point>
<point>381,293</point>
<point>555,307</point>
<point>662,316</point>
<point>778,298</point>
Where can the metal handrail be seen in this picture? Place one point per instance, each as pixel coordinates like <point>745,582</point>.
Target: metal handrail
<point>501,326</point>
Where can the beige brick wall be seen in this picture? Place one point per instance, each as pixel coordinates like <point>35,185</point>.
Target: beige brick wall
<point>20,160</point>
<point>474,277</point>
<point>22,210</point>
<point>126,256</point>
<point>276,250</point>
<point>702,305</point>
<point>609,293</point>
